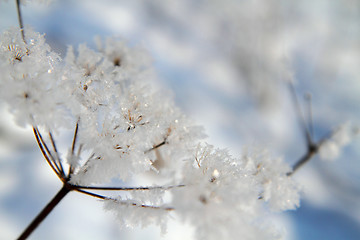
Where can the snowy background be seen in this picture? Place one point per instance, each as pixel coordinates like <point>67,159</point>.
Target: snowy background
<point>227,63</point>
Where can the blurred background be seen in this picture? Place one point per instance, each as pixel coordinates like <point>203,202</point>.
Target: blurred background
<point>228,63</point>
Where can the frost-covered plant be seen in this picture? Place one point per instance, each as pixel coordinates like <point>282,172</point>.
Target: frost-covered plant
<point>123,126</point>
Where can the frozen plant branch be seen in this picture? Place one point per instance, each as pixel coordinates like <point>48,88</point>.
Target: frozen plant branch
<point>49,160</point>
<point>313,148</point>
<point>311,152</point>
<point>123,202</point>
<point>129,188</point>
<point>124,126</point>
<point>55,163</point>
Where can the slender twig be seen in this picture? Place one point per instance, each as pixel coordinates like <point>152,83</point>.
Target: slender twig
<point>156,146</point>
<point>128,188</point>
<point>74,138</point>
<point>57,157</point>
<point>300,115</point>
<point>45,154</point>
<point>20,20</point>
<point>312,150</point>
<point>52,158</point>
<point>45,212</point>
<point>92,194</point>
<point>123,202</point>
<point>312,147</point>
<point>71,168</point>
<point>308,98</point>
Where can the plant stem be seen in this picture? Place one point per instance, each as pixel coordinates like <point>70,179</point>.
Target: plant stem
<point>312,150</point>
<point>21,25</point>
<point>43,214</point>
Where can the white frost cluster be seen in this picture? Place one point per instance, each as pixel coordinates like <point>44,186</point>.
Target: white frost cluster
<point>278,189</point>
<point>130,213</point>
<point>28,79</point>
<point>122,115</point>
<point>224,196</point>
<point>330,149</point>
<point>110,93</point>
<point>127,126</point>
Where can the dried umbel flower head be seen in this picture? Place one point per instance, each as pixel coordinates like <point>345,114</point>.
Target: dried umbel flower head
<point>30,82</point>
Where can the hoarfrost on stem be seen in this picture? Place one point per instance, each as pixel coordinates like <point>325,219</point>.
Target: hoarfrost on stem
<point>122,115</point>
<point>126,126</point>
<point>280,191</point>
<point>225,192</point>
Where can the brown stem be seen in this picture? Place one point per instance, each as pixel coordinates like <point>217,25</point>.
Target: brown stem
<point>72,168</point>
<point>21,25</point>
<point>128,188</point>
<point>56,157</point>
<point>301,118</point>
<point>43,214</point>
<point>45,154</point>
<point>156,146</point>
<point>312,150</point>
<point>123,202</point>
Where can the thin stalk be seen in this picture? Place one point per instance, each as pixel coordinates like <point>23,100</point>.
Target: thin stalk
<point>301,118</point>
<point>45,212</point>
<point>308,98</point>
<point>71,168</point>
<point>123,202</point>
<point>52,158</point>
<point>313,149</point>
<point>21,25</point>
<point>128,188</point>
<point>74,138</point>
<point>304,159</point>
<point>156,146</point>
<point>44,153</point>
<point>57,157</point>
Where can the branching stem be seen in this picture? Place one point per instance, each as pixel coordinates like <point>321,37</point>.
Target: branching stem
<point>49,161</point>
<point>57,167</point>
<point>129,188</point>
<point>312,150</point>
